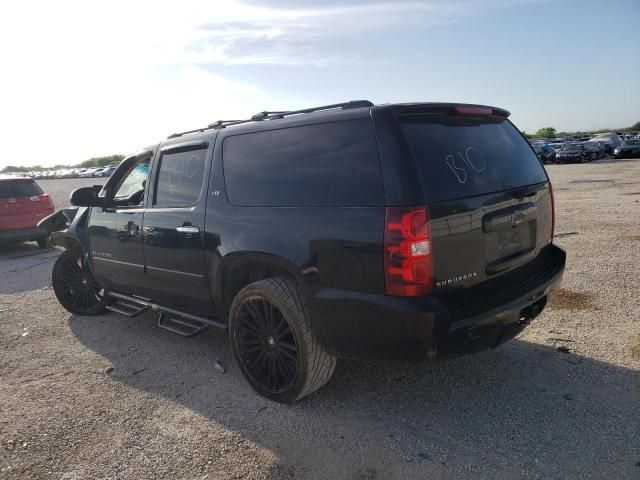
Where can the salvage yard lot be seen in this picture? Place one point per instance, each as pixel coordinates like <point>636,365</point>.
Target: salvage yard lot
<point>113,397</point>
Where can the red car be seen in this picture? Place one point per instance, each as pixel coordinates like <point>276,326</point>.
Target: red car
<point>22,205</point>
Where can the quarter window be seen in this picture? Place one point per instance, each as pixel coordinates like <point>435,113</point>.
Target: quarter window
<point>329,164</point>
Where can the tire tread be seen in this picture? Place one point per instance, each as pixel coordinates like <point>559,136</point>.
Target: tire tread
<point>319,364</point>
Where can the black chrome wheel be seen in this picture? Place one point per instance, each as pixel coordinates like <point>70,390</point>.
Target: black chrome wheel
<point>266,345</point>
<point>273,342</point>
<point>74,285</point>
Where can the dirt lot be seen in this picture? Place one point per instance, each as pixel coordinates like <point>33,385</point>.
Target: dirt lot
<point>62,188</point>
<point>112,397</point>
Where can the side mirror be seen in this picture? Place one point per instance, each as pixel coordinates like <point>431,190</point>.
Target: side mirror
<point>87,197</point>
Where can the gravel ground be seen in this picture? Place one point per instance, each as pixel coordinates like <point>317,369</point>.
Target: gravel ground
<point>113,397</point>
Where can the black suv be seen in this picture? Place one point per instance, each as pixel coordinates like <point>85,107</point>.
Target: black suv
<point>405,231</point>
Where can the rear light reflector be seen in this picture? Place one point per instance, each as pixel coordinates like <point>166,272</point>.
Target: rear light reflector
<point>407,251</point>
<point>473,110</point>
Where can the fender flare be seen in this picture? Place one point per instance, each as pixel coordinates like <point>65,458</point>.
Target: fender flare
<point>230,260</point>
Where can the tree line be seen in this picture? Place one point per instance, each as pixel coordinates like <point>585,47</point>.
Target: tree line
<point>550,132</point>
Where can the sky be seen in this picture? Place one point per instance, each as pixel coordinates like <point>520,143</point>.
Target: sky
<point>85,79</point>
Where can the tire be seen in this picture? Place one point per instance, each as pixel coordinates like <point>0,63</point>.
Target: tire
<point>44,242</point>
<point>269,328</point>
<point>74,285</point>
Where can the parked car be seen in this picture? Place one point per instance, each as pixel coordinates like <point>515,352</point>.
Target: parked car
<point>574,153</point>
<point>607,145</point>
<point>611,140</point>
<point>544,152</point>
<point>556,145</point>
<point>88,173</point>
<point>596,149</point>
<point>629,149</point>
<point>106,171</point>
<point>322,233</point>
<point>22,205</point>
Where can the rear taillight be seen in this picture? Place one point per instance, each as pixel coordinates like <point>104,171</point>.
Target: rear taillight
<point>408,256</point>
<point>44,198</point>
<point>553,213</point>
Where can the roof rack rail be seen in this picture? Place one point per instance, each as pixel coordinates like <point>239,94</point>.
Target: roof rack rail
<point>344,106</point>
<point>264,115</point>
<point>273,115</point>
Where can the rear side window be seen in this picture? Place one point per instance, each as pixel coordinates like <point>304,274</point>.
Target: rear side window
<point>180,177</point>
<point>461,157</point>
<point>19,188</point>
<point>330,164</point>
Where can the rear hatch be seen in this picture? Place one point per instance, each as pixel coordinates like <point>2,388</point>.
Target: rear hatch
<point>22,204</point>
<point>490,204</point>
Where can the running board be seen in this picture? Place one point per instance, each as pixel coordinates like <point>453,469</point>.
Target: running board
<point>172,312</point>
<point>127,308</point>
<point>180,325</point>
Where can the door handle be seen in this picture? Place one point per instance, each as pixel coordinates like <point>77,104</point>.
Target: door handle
<point>188,229</point>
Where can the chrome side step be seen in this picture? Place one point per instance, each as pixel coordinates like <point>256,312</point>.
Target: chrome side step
<point>125,307</point>
<point>173,320</point>
<point>180,325</point>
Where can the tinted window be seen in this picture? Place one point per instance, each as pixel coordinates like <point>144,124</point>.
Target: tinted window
<point>331,164</point>
<point>19,188</point>
<point>180,178</point>
<point>460,157</point>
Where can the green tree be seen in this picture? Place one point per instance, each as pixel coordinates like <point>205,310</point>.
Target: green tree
<point>633,128</point>
<point>546,132</point>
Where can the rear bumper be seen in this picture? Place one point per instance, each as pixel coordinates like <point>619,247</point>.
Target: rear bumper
<point>368,326</point>
<point>22,234</point>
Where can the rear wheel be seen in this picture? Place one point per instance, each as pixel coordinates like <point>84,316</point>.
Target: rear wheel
<point>74,285</point>
<point>273,343</point>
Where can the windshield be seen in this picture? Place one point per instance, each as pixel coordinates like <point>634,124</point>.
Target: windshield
<point>461,157</point>
<point>573,146</point>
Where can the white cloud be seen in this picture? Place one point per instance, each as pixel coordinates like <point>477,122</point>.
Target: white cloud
<point>81,78</point>
<point>78,82</point>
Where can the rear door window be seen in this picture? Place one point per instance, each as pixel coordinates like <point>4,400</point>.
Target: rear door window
<point>19,188</point>
<point>180,177</point>
<point>329,164</point>
<point>459,157</point>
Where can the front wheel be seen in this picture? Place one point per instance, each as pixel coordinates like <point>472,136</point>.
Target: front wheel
<point>74,285</point>
<point>44,242</point>
<point>273,343</point>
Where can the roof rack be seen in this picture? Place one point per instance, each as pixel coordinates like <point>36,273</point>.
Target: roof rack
<point>274,115</point>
